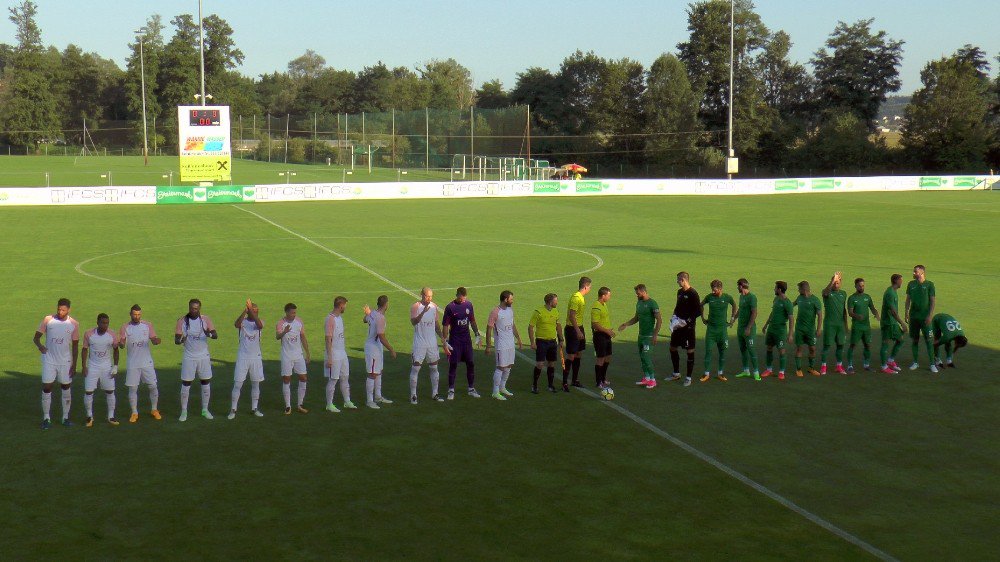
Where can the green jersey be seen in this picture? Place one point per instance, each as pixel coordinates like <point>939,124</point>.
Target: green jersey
<point>781,312</point>
<point>718,316</point>
<point>946,328</point>
<point>890,303</point>
<point>920,298</point>
<point>833,307</point>
<point>860,304</point>
<point>809,308</point>
<point>748,304</point>
<point>646,311</point>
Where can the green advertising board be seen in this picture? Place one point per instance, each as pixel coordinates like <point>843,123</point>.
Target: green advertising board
<point>548,187</point>
<point>788,185</point>
<point>186,195</point>
<point>591,186</point>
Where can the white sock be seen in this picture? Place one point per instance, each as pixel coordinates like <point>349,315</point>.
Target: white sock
<point>206,393</point>
<point>435,380</point>
<point>378,387</point>
<point>133,399</point>
<point>302,392</point>
<point>497,375</point>
<point>88,404</point>
<point>286,391</point>
<point>414,373</point>
<point>67,401</point>
<point>46,405</point>
<point>154,397</point>
<point>185,394</point>
<point>369,388</point>
<point>503,380</point>
<point>254,394</point>
<point>112,402</point>
<point>345,388</point>
<point>331,390</point>
<point>237,385</point>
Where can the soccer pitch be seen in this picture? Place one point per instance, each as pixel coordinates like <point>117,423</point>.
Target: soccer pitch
<point>905,465</point>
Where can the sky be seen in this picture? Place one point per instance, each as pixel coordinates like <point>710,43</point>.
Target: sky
<point>497,39</point>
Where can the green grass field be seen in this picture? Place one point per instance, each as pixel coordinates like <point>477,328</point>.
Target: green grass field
<point>72,171</point>
<point>909,464</point>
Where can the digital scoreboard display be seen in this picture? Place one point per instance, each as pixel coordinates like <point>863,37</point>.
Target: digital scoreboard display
<point>204,118</point>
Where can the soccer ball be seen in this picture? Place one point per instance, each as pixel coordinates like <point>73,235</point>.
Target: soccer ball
<point>607,393</point>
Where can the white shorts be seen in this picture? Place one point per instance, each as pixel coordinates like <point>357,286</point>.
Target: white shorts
<point>254,366</point>
<point>340,368</point>
<point>201,367</point>
<point>373,359</point>
<point>51,372</point>
<point>289,366</point>
<point>426,354</point>
<point>100,375</point>
<point>505,356</point>
<point>147,375</point>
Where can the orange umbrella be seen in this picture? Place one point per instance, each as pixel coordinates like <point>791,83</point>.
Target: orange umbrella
<point>574,168</point>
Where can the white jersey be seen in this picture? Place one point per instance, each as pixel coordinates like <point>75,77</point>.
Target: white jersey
<point>59,338</point>
<point>100,348</point>
<point>376,326</point>
<point>196,344</point>
<point>136,337</point>
<point>249,340</point>
<point>502,323</point>
<point>424,332</point>
<point>335,331</point>
<point>291,343</point>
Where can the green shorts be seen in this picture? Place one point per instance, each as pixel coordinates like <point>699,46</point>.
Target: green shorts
<point>803,337</point>
<point>776,337</point>
<point>861,334</point>
<point>745,341</point>
<point>892,332</point>
<point>918,326</point>
<point>717,336</point>
<point>834,334</point>
<point>645,343</point>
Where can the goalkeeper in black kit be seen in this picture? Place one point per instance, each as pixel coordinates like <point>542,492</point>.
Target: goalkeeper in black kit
<point>686,312</point>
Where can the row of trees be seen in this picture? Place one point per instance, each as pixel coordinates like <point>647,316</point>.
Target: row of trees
<point>670,118</point>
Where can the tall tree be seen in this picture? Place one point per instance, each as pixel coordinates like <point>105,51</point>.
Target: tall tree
<point>947,121</point>
<point>29,109</point>
<point>450,84</point>
<point>673,130</point>
<point>178,79</point>
<point>491,95</point>
<point>859,69</point>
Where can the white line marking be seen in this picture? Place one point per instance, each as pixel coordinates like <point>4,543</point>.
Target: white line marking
<point>656,430</point>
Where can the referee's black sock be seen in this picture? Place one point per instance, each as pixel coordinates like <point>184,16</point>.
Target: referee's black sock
<point>576,369</point>
<point>603,374</point>
<point>538,373</point>
<point>675,358</point>
<point>566,368</point>
<point>550,373</point>
<point>690,364</point>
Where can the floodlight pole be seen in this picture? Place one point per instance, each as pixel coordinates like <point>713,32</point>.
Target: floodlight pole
<point>142,74</point>
<point>732,33</point>
<point>201,43</point>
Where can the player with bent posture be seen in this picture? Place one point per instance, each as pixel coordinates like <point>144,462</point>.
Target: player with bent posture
<point>193,331</point>
<point>426,331</point>
<point>947,332</point>
<point>248,358</point>
<point>336,367</point>
<point>135,336</point>
<point>99,362</point>
<point>501,328</point>
<point>62,343</point>
<point>294,357</point>
<point>459,316</point>
<point>374,345</point>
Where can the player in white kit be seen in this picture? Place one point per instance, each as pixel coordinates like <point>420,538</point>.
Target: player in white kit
<point>62,342</point>
<point>99,364</point>
<point>136,336</point>
<point>374,344</point>
<point>336,367</point>
<point>501,326</point>
<point>426,332</point>
<point>193,330</point>
<point>294,356</point>
<point>248,358</point>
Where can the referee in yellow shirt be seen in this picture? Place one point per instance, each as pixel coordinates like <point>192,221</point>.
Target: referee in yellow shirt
<point>600,323</point>
<point>543,330</point>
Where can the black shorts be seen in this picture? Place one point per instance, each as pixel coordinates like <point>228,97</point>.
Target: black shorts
<point>546,350</point>
<point>602,345</point>
<point>573,343</point>
<point>683,337</point>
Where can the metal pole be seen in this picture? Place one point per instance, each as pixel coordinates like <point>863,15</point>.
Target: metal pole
<point>201,43</point>
<point>427,139</point>
<point>529,133</point>
<point>268,137</point>
<point>393,138</point>
<point>142,74</point>
<point>472,137</point>
<point>315,125</point>
<point>288,119</point>
<point>732,33</point>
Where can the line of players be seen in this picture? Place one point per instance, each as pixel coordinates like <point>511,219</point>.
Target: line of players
<point>550,341</point>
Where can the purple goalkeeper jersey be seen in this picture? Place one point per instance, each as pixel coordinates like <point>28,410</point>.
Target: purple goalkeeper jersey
<point>457,317</point>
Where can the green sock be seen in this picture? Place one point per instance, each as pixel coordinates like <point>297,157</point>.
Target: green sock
<point>840,354</point>
<point>895,349</point>
<point>866,353</point>
<point>915,348</point>
<point>930,349</point>
<point>753,359</point>
<point>812,361</point>
<point>782,361</point>
<point>798,363</point>
<point>722,358</point>
<point>883,353</point>
<point>770,358</point>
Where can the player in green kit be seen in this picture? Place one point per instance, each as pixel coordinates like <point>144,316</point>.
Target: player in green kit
<point>776,328</point>
<point>715,304</point>
<point>745,329</point>
<point>920,299</point>
<point>858,306</point>
<point>806,331</point>
<point>834,321</point>
<point>892,326</point>
<point>947,331</point>
<point>647,315</point>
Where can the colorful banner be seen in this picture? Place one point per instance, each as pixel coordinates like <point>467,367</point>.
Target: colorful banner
<point>204,143</point>
<point>186,195</point>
